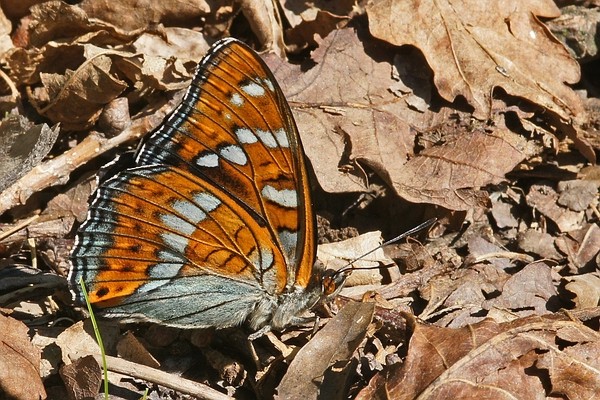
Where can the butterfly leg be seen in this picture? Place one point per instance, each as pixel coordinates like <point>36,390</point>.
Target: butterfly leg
<point>259,333</point>
<point>254,354</point>
<point>315,326</point>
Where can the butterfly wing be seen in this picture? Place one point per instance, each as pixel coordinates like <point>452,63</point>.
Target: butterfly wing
<point>158,239</point>
<point>235,129</point>
<point>217,212</point>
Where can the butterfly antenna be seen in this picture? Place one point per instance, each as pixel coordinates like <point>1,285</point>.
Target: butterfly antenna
<point>424,225</point>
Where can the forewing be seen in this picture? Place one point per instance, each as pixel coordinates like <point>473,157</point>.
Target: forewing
<point>235,129</point>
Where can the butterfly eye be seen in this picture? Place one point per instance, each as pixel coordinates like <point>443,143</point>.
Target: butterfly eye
<point>333,281</point>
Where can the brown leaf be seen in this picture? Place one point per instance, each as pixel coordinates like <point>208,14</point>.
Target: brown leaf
<point>574,372</point>
<point>450,174</point>
<point>482,361</point>
<point>585,288</point>
<point>299,13</point>
<point>78,340</point>
<point>22,146</point>
<point>544,198</point>
<point>339,254</point>
<point>589,247</point>
<point>19,362</point>
<point>57,170</point>
<point>505,214</point>
<point>57,21</point>
<point>76,98</point>
<point>332,346</point>
<point>461,296</point>
<point>474,47</point>
<point>577,195</point>
<point>186,45</point>
<point>130,348</point>
<point>529,291</point>
<point>264,20</point>
<point>5,29</point>
<point>134,14</point>
<point>82,378</point>
<point>540,243</point>
<point>312,21</point>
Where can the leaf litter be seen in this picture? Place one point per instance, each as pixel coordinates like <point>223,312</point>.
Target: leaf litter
<point>463,113</point>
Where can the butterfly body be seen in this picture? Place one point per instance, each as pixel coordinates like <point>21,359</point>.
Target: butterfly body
<point>213,226</point>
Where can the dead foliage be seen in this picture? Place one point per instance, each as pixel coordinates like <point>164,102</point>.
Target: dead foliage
<point>476,113</point>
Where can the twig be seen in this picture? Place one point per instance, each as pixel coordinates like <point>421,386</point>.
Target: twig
<point>18,227</point>
<point>56,171</point>
<point>162,378</point>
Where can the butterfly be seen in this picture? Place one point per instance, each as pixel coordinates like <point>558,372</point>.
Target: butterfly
<point>213,225</point>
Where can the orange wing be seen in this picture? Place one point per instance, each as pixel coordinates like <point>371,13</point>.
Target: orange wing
<point>235,129</point>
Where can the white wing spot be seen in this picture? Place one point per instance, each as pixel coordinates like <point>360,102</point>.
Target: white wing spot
<point>207,201</point>
<point>266,259</point>
<point>190,211</point>
<point>254,89</point>
<point>245,135</point>
<point>285,197</point>
<point>289,240</point>
<point>269,84</point>
<point>267,138</point>
<point>169,256</point>
<point>209,160</point>
<point>175,241</point>
<point>161,274</point>
<point>281,137</point>
<point>235,154</point>
<point>237,100</point>
<point>177,223</point>
<point>269,274</point>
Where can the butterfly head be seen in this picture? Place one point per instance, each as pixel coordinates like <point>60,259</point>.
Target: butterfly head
<point>333,281</point>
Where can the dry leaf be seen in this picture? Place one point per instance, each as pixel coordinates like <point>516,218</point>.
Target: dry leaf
<point>474,47</point>
<point>82,378</point>
<point>22,147</point>
<point>5,29</point>
<point>505,214</point>
<point>308,375</point>
<point>135,14</point>
<point>345,112</point>
<point>460,297</point>
<point>184,44</point>
<point>78,340</point>
<point>589,248</point>
<point>131,349</point>
<point>76,98</point>
<point>362,122</point>
<point>339,254</point>
<point>540,243</point>
<point>585,288</point>
<point>450,175</point>
<point>574,371</point>
<point>313,18</point>
<point>57,21</point>
<point>529,291</point>
<point>485,359</point>
<point>19,362</point>
<point>578,195</point>
<point>544,199</point>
